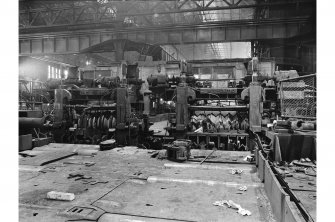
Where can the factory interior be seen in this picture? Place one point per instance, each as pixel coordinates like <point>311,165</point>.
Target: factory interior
<point>167,110</point>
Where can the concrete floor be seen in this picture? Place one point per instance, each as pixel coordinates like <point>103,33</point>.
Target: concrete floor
<point>139,188</point>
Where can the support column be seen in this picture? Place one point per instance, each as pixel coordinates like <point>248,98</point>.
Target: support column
<point>119,50</point>
<point>255,106</point>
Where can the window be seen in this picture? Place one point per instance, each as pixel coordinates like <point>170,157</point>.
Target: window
<point>49,72</point>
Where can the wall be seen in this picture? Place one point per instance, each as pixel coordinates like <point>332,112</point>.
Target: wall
<point>239,70</point>
<point>33,69</point>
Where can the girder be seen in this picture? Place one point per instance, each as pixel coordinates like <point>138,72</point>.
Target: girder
<point>142,13</point>
<point>249,30</point>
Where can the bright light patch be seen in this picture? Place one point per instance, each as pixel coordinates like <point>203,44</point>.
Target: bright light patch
<point>66,73</point>
<point>49,72</point>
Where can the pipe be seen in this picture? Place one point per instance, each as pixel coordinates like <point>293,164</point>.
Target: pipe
<point>204,167</point>
<point>26,122</point>
<point>154,179</point>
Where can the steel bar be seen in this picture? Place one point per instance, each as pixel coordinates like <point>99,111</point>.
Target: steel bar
<point>207,157</point>
<point>218,108</point>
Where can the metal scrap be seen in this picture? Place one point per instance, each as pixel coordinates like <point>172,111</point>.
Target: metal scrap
<point>207,157</point>
<point>249,158</point>
<point>236,171</point>
<point>243,188</point>
<point>233,205</point>
<point>48,169</point>
<point>80,163</point>
<point>78,176</point>
<point>93,182</point>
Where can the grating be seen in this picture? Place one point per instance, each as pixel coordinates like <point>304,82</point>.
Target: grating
<point>80,211</point>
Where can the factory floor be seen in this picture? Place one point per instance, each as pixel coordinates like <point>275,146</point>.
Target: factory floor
<point>137,187</point>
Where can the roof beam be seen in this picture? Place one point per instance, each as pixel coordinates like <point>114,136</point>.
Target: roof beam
<point>173,11</point>
<point>75,41</point>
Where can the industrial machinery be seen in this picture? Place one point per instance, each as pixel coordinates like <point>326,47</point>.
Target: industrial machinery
<point>222,115</point>
<point>98,103</point>
<point>90,106</point>
<point>35,112</point>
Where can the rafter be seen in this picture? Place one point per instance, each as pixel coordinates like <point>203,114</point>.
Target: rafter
<point>183,3</point>
<point>69,11</point>
<point>209,3</point>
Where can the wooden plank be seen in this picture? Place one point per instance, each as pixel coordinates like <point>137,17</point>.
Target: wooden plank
<point>73,146</point>
<point>46,158</point>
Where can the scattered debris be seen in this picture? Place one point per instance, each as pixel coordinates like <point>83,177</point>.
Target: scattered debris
<point>94,182</point>
<point>108,144</point>
<point>54,195</point>
<point>78,176</point>
<point>161,154</point>
<point>127,150</point>
<point>302,163</point>
<point>249,158</point>
<point>307,160</point>
<point>137,173</point>
<point>86,152</point>
<point>233,205</point>
<point>310,171</point>
<point>312,196</point>
<point>154,154</point>
<point>243,188</point>
<point>88,164</point>
<point>26,155</point>
<point>284,173</point>
<point>48,169</point>
<point>236,171</point>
